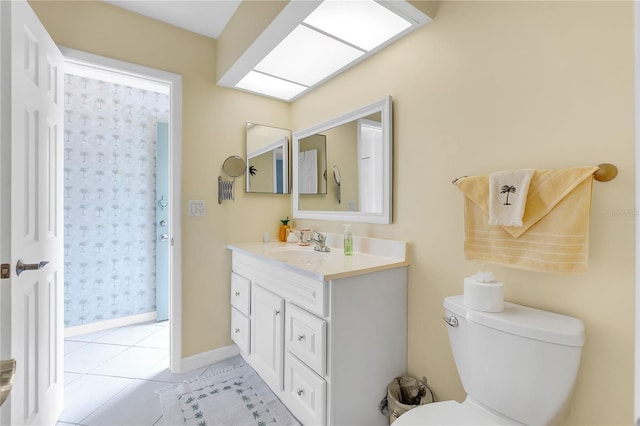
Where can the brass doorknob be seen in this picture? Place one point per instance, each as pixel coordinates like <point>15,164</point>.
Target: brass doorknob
<point>7,373</point>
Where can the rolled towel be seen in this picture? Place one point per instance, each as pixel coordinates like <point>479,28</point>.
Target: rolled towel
<point>508,196</point>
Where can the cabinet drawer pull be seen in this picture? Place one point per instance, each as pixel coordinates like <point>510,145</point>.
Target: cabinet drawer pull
<point>276,312</point>
<point>300,392</point>
<point>301,337</point>
<point>237,330</point>
<point>237,293</point>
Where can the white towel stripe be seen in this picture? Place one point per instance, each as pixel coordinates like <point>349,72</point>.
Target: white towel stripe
<point>520,250</point>
<point>530,234</point>
<point>525,257</point>
<point>541,250</point>
<point>528,242</point>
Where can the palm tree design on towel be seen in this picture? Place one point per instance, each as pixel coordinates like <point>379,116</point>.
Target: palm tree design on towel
<point>507,189</point>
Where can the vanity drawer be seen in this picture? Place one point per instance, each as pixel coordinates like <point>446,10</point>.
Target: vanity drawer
<point>306,338</point>
<point>292,286</point>
<point>305,391</point>
<point>240,330</point>
<point>240,293</point>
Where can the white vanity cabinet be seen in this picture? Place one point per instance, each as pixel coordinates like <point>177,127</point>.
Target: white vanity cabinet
<point>326,347</point>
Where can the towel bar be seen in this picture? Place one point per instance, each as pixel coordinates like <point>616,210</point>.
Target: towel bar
<point>605,173</point>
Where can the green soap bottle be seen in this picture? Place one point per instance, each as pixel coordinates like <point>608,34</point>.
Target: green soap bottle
<point>348,241</point>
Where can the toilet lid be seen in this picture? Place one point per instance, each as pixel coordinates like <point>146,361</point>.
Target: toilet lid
<point>445,413</point>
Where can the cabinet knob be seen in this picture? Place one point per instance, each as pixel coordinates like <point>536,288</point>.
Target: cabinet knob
<point>276,312</point>
<point>301,337</point>
<point>237,330</point>
<point>237,293</point>
<point>300,391</point>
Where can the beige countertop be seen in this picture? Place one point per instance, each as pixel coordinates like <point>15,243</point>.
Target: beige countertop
<point>370,255</point>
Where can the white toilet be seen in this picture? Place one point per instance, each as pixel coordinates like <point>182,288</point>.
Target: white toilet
<point>517,367</point>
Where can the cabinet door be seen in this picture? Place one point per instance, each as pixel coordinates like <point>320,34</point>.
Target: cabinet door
<point>267,336</point>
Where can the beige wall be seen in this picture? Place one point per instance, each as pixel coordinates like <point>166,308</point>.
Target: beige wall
<point>262,181</point>
<point>342,151</point>
<point>486,86</point>
<point>213,128</point>
<point>489,86</point>
<point>317,142</point>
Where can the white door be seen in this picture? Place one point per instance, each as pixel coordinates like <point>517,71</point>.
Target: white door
<point>370,166</point>
<point>308,172</point>
<point>267,336</point>
<point>32,149</point>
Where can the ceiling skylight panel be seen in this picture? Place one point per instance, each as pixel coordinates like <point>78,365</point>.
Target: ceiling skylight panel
<point>307,56</point>
<point>270,86</point>
<point>363,23</point>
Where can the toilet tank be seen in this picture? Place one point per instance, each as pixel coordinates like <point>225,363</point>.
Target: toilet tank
<point>521,363</point>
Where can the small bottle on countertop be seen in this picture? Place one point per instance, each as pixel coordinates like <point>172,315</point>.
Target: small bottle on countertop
<point>284,230</point>
<point>348,241</point>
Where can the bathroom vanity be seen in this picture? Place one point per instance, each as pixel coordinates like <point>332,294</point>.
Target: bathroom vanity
<point>326,332</point>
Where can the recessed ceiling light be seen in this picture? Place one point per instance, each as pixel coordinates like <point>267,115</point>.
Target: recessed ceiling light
<point>270,86</point>
<point>307,56</point>
<point>363,23</point>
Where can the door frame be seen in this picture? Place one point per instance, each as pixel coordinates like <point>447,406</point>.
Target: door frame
<point>636,43</point>
<point>174,82</point>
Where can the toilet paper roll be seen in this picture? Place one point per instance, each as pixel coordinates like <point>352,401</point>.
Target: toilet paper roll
<point>487,297</point>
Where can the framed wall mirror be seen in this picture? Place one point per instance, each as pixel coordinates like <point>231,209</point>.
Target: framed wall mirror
<point>358,157</point>
<point>267,159</point>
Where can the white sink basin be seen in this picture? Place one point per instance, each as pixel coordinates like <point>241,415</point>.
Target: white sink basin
<point>299,256</point>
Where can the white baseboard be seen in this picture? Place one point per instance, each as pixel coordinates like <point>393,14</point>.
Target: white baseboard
<point>105,325</point>
<point>205,358</point>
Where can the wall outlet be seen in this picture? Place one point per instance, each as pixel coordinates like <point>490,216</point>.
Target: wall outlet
<point>197,208</point>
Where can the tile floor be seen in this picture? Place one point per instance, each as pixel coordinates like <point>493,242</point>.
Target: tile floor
<point>111,377</point>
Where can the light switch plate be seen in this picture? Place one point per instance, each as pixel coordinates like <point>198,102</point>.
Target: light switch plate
<point>197,208</point>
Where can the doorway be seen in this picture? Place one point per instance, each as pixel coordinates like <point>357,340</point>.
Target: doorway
<point>126,230</point>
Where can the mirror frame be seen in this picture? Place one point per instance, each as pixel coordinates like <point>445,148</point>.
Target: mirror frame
<point>385,107</point>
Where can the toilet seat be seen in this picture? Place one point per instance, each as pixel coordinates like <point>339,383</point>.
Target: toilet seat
<point>447,413</point>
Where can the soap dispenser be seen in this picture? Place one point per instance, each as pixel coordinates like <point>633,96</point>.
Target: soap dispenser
<point>348,241</point>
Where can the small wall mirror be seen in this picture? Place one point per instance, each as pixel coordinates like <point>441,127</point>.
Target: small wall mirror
<point>267,159</point>
<point>358,153</point>
<point>233,166</point>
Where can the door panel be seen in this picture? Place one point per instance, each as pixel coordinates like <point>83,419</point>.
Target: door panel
<point>29,173</point>
<point>52,178</point>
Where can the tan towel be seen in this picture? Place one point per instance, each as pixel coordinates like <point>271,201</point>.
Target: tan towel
<point>554,236</point>
<point>508,195</point>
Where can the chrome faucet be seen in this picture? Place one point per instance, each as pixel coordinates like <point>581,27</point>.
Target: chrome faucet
<point>319,242</point>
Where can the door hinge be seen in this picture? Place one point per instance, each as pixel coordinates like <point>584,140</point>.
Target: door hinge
<point>5,271</point>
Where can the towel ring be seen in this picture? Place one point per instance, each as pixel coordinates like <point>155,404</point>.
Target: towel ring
<point>605,172</point>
